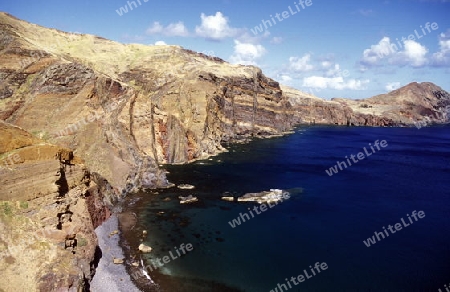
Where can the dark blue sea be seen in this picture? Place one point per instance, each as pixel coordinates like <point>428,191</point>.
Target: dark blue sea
<point>326,219</point>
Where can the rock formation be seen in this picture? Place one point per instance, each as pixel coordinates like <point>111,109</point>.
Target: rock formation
<point>271,196</point>
<point>188,200</point>
<point>405,106</point>
<point>49,206</point>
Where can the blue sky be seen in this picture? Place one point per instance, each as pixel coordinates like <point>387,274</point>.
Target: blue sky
<point>350,49</point>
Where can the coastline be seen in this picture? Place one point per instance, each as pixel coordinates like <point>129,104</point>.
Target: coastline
<point>109,276</point>
<point>131,236</point>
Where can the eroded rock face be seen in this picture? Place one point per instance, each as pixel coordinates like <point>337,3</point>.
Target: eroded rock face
<point>49,206</point>
<point>126,113</point>
<point>406,106</point>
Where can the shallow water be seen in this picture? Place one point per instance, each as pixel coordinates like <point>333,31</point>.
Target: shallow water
<point>326,222</point>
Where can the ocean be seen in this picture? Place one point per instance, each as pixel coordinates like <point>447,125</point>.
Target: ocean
<point>327,221</point>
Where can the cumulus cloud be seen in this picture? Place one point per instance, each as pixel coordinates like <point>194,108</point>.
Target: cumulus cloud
<point>414,54</point>
<point>160,43</point>
<point>336,71</point>
<point>246,53</point>
<point>156,28</point>
<point>326,64</point>
<point>173,29</point>
<point>301,64</point>
<point>410,53</point>
<point>215,27</point>
<point>337,83</point>
<point>374,55</point>
<point>442,58</point>
<point>392,86</point>
<point>285,78</point>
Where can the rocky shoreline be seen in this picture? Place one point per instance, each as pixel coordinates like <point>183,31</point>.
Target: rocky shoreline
<point>108,275</point>
<point>131,236</point>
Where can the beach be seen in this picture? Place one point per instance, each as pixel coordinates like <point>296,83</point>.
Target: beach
<point>109,276</point>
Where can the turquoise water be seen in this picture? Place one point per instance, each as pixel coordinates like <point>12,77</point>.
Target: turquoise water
<point>326,219</point>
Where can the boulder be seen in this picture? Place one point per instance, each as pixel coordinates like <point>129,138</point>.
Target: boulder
<point>272,196</point>
<point>188,200</point>
<point>186,187</point>
<point>229,199</point>
<point>145,248</point>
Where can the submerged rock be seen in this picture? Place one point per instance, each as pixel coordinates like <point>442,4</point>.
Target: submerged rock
<point>187,200</point>
<point>229,199</point>
<point>272,196</point>
<point>186,187</point>
<point>145,248</point>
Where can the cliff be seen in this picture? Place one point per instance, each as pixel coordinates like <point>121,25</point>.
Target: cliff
<point>413,104</point>
<point>125,109</point>
<point>49,206</point>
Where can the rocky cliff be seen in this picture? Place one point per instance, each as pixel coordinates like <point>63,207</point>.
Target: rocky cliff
<point>125,109</point>
<point>414,104</point>
<point>49,206</point>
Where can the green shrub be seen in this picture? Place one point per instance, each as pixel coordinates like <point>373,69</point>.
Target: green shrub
<point>7,209</point>
<point>82,242</point>
<point>24,205</point>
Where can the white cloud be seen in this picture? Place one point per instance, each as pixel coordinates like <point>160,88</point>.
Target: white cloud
<point>392,86</point>
<point>246,53</point>
<point>410,53</point>
<point>156,28</point>
<point>373,56</point>
<point>215,27</point>
<point>326,64</point>
<point>442,58</point>
<point>336,83</point>
<point>414,54</point>
<point>160,43</point>
<point>285,79</point>
<point>301,64</point>
<point>173,29</point>
<point>176,29</point>
<point>336,71</point>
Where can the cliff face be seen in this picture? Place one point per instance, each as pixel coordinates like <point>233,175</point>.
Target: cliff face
<point>49,206</point>
<point>412,103</point>
<point>415,103</point>
<point>125,109</point>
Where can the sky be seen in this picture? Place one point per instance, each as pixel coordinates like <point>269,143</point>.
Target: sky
<point>329,48</point>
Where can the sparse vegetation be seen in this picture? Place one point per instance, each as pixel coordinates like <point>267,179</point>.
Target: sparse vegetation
<point>82,241</point>
<point>7,210</point>
<point>24,205</point>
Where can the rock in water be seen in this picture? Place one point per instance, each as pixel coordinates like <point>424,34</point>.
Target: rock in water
<point>145,248</point>
<point>272,196</point>
<point>188,200</point>
<point>186,187</point>
<point>229,199</point>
